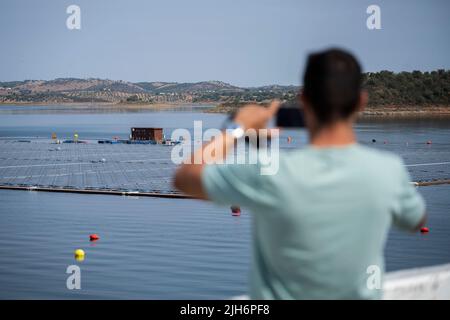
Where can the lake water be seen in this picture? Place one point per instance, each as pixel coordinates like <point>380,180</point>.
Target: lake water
<point>175,249</point>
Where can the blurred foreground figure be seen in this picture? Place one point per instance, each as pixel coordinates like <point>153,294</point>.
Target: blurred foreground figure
<point>320,223</point>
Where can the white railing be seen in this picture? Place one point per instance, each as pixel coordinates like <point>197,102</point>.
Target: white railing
<point>429,283</point>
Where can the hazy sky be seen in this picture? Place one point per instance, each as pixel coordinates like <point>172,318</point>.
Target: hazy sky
<point>243,42</point>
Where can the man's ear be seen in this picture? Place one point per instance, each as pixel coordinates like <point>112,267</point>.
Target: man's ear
<point>363,100</point>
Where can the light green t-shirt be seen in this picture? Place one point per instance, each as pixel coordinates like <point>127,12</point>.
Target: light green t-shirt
<point>321,220</point>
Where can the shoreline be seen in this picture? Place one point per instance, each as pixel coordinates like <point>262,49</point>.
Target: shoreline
<point>384,112</point>
<point>391,112</point>
<point>110,105</point>
<point>416,112</point>
<point>404,114</point>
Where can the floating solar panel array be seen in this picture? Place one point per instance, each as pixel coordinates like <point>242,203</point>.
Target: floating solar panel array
<point>425,162</point>
<point>145,168</point>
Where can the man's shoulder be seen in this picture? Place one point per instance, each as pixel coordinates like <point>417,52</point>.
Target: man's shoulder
<point>359,153</point>
<point>379,165</point>
<point>357,148</point>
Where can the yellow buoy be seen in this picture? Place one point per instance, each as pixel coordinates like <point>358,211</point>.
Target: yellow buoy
<point>79,255</point>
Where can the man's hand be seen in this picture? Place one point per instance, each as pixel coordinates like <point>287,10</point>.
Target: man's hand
<point>188,177</point>
<point>253,116</point>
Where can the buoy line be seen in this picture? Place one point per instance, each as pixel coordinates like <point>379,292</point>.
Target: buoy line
<point>427,164</point>
<point>431,183</point>
<point>155,194</point>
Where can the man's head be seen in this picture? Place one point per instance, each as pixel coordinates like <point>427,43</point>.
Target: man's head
<point>332,88</point>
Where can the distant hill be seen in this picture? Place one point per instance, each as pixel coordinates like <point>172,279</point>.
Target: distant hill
<point>415,90</point>
<point>204,86</point>
<point>407,93</point>
<point>71,85</point>
<point>116,91</point>
<point>74,84</point>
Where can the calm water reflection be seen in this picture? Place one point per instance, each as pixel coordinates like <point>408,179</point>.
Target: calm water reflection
<point>159,248</point>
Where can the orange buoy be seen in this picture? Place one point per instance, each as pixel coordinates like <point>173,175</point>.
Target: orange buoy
<point>424,230</point>
<point>94,237</point>
<point>429,142</point>
<point>235,211</point>
<point>289,139</point>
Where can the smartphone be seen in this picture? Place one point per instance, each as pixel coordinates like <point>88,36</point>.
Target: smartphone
<point>290,115</point>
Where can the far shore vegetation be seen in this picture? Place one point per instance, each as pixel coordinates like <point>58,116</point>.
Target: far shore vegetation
<point>403,93</point>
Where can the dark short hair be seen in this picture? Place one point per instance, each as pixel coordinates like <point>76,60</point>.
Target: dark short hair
<point>332,84</point>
